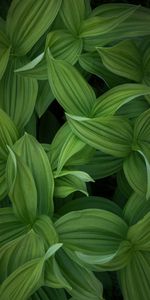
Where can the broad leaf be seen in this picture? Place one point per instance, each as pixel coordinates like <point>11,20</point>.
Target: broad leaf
<point>69,87</point>
<point>4,57</point>
<point>44,98</point>
<point>123,59</point>
<point>72,13</point>
<point>83,282</point>
<point>19,91</point>
<point>22,189</point>
<point>33,154</point>
<point>112,100</point>
<point>27,22</point>
<point>111,135</point>
<point>49,294</point>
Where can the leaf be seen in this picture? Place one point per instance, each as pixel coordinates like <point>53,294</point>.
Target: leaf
<point>111,135</point>
<point>92,63</point>
<point>10,226</point>
<point>90,202</point>
<point>18,91</point>
<point>43,226</point>
<point>19,251</point>
<point>64,46</point>
<point>93,232</point>
<point>134,279</point>
<point>95,25</point>
<point>67,182</point>
<point>4,57</point>
<point>102,165</point>
<point>27,22</point>
<point>136,208</point>
<point>48,294</point>
<point>24,281</point>
<point>44,99</point>
<point>123,59</point>
<point>33,154</point>
<point>135,25</point>
<point>72,13</point>
<point>112,100</point>
<point>83,282</point>
<point>142,129</point>
<point>69,87</point>
<point>22,189</point>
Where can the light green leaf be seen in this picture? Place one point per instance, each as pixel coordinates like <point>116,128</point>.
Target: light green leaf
<point>83,282</point>
<point>63,45</point>
<point>10,226</point>
<point>35,69</point>
<point>67,182</point>
<point>136,208</point>
<point>134,279</point>
<point>18,91</point>
<point>95,26</point>
<point>27,22</point>
<point>33,154</point>
<point>52,250</point>
<point>111,135</point>
<point>69,87</point>
<point>72,13</point>
<point>94,232</point>
<point>44,227</point>
<point>44,99</point>
<point>123,59</point>
<point>22,189</point>
<point>112,100</point>
<point>23,282</point>
<point>19,251</point>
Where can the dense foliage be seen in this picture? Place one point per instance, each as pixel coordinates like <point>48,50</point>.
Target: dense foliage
<point>74,117</point>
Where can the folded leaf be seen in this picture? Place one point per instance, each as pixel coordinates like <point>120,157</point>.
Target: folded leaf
<point>69,87</point>
<point>123,59</point>
<point>19,91</point>
<point>33,154</point>
<point>111,135</point>
<point>72,13</point>
<point>22,189</point>
<point>27,22</point>
<point>44,98</point>
<point>48,294</point>
<point>111,101</point>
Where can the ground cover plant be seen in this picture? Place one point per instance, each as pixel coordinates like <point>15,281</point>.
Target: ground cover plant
<point>74,150</point>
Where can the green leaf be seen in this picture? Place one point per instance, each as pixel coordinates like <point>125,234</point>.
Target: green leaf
<point>92,232</point>
<point>33,154</point>
<point>123,59</point>
<point>44,227</point>
<point>19,251</point>
<point>63,45</point>
<point>90,202</point>
<point>72,13</point>
<point>22,189</point>
<point>69,87</point>
<point>4,57</point>
<point>49,294</point>
<point>134,279</point>
<point>136,208</point>
<point>142,130</point>
<point>102,165</point>
<point>133,109</point>
<point>67,182</point>
<point>8,136</point>
<point>23,282</point>
<point>112,100</point>
<point>18,91</point>
<point>92,63</point>
<point>135,25</point>
<point>52,250</point>
<point>83,282</point>
<point>95,26</point>
<point>28,21</point>
<point>10,226</point>
<point>111,135</point>
<point>44,99</point>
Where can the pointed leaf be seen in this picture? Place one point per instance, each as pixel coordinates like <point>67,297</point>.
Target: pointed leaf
<point>27,22</point>
<point>69,87</point>
<point>22,189</point>
<point>44,99</point>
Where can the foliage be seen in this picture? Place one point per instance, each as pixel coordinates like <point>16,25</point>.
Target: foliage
<point>58,240</point>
